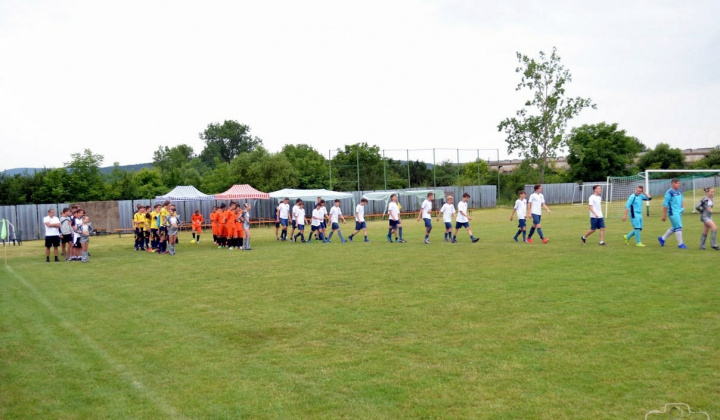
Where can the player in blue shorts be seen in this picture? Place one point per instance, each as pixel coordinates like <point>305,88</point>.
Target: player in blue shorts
<point>360,220</point>
<point>634,207</point>
<point>394,218</point>
<point>335,216</point>
<point>521,210</point>
<point>425,214</point>
<point>448,211</point>
<point>673,208</point>
<point>462,219</point>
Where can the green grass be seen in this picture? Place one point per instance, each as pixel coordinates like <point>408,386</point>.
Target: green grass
<point>366,330</point>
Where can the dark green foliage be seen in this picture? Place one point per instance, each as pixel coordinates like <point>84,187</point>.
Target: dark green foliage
<point>600,150</point>
<point>662,157</point>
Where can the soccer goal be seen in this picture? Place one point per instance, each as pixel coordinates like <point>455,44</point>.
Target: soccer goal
<point>657,182</point>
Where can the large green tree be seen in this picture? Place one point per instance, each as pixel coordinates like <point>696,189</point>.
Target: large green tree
<point>357,162</point>
<point>537,130</point>
<point>226,141</point>
<point>662,157</point>
<point>311,166</point>
<point>601,150</point>
<point>86,181</point>
<point>711,161</point>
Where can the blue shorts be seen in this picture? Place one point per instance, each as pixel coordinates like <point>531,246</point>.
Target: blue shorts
<point>637,223</point>
<point>277,224</point>
<point>323,225</point>
<point>301,227</point>
<point>360,225</point>
<point>314,228</point>
<point>294,224</point>
<point>335,226</point>
<point>536,219</point>
<point>597,223</point>
<point>428,223</point>
<point>676,221</point>
<point>458,225</point>
<point>522,223</point>
<point>394,223</point>
<point>448,225</point>
<point>284,222</point>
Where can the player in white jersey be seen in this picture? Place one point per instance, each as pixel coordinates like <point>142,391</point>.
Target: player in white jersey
<point>462,219</point>
<point>283,214</point>
<point>360,220</point>
<point>425,214</point>
<point>299,218</point>
<point>447,210</point>
<point>394,218</point>
<point>335,216</point>
<point>521,210</point>
<point>596,215</point>
<point>293,213</point>
<point>535,205</point>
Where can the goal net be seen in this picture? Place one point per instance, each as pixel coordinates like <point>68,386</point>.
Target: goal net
<point>657,182</point>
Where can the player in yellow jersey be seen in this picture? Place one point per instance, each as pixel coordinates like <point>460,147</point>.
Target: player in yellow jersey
<point>139,225</point>
<point>164,214</point>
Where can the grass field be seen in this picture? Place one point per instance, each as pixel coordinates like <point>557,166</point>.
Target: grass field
<point>495,329</point>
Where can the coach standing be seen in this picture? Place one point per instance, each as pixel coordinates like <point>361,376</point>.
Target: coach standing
<point>52,234</point>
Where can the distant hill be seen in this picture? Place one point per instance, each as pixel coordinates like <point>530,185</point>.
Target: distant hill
<point>105,170</point>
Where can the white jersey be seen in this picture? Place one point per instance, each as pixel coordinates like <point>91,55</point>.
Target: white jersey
<point>596,202</point>
<point>426,209</point>
<point>521,208</point>
<point>51,231</point>
<point>284,210</point>
<point>447,211</point>
<point>360,213</point>
<point>536,201</point>
<point>462,208</point>
<point>76,234</point>
<point>300,216</point>
<point>335,214</point>
<point>323,212</point>
<point>393,211</point>
<point>316,217</point>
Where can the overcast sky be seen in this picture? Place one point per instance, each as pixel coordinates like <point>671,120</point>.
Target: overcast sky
<point>125,77</point>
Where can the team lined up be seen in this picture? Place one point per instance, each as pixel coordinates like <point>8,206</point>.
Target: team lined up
<point>72,229</point>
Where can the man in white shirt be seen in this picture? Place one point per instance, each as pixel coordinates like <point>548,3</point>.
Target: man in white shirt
<point>394,218</point>
<point>292,217</point>
<point>521,210</point>
<point>52,234</point>
<point>283,214</point>
<point>425,210</point>
<point>596,215</point>
<point>463,220</point>
<point>360,220</point>
<point>535,205</point>
<point>447,210</point>
<point>316,223</point>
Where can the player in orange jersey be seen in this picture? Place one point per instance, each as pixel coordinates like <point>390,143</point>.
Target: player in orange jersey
<point>197,220</point>
<point>214,223</point>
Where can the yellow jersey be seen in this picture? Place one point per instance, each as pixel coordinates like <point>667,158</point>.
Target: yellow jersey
<point>164,213</point>
<point>139,220</point>
<point>154,219</point>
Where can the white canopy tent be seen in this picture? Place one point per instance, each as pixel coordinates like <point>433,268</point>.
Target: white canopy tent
<point>309,195</point>
<point>184,193</point>
<point>385,195</point>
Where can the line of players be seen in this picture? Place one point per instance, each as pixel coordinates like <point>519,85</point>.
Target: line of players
<point>673,208</point>
<point>230,226</point>
<point>72,229</point>
<point>156,229</point>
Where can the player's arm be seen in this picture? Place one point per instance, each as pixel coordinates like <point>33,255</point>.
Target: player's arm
<point>277,215</point>
<point>548,209</point>
<point>513,213</point>
<point>438,214</point>
<point>592,210</point>
<point>419,214</point>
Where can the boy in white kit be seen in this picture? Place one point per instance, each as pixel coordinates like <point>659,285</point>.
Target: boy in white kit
<point>535,205</point>
<point>596,215</point>
<point>463,220</point>
<point>335,216</point>
<point>360,220</point>
<point>283,214</point>
<point>394,218</point>
<point>447,210</point>
<point>299,218</point>
<point>521,210</point>
<point>316,223</point>
<point>425,210</point>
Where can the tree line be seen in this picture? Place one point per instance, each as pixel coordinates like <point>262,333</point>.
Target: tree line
<point>232,155</point>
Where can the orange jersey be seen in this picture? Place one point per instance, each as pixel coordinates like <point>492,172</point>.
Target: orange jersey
<point>214,222</point>
<point>229,223</point>
<point>239,226</point>
<point>197,220</point>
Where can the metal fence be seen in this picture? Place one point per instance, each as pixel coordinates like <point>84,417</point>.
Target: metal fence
<point>567,193</point>
<point>28,217</point>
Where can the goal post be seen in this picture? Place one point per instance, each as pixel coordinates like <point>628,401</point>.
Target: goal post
<point>656,182</point>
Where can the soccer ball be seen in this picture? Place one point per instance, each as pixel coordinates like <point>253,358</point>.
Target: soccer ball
<point>193,241</point>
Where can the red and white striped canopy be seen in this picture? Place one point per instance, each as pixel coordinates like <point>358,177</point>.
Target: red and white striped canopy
<point>240,192</point>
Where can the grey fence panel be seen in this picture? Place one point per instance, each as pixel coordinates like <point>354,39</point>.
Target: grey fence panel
<point>557,193</point>
<point>126,212</point>
<point>9,213</point>
<point>29,222</point>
